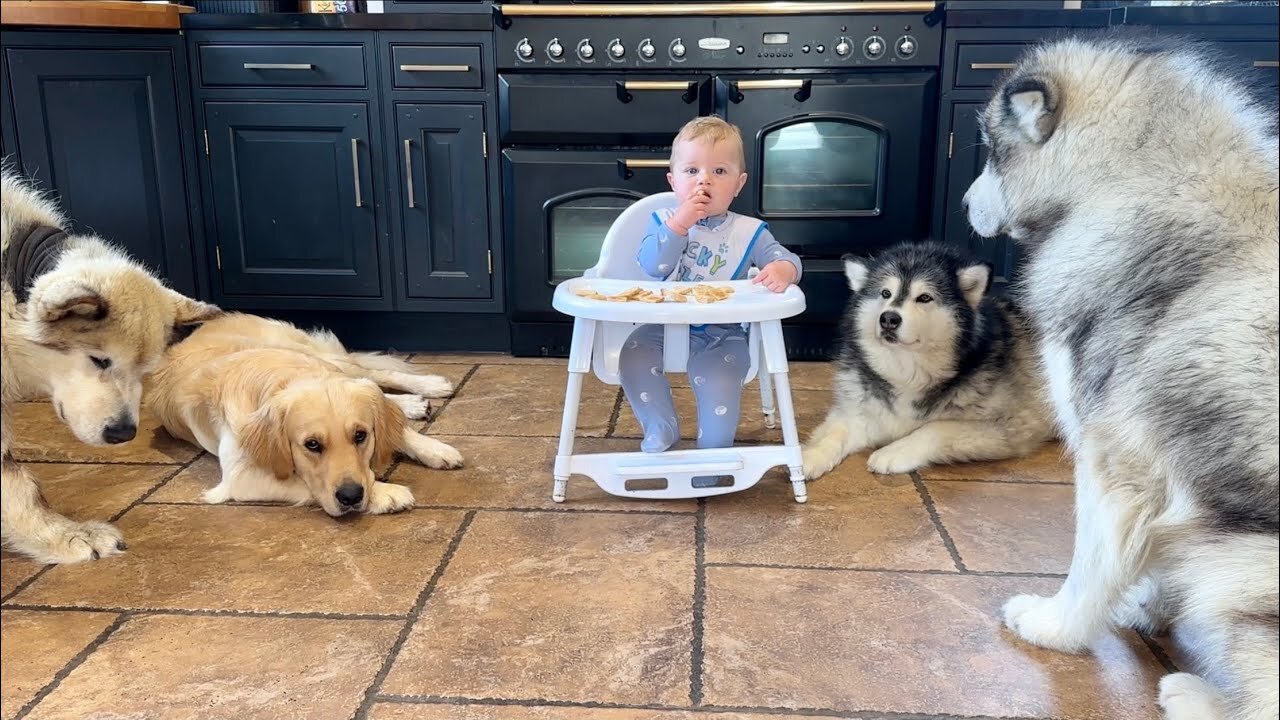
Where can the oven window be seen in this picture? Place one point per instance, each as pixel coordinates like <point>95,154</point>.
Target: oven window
<point>830,166</point>
<point>578,227</point>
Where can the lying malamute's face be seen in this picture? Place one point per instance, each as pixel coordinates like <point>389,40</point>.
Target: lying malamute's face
<point>915,297</point>
<point>103,328</point>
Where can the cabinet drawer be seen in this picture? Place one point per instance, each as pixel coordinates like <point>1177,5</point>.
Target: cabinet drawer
<point>980,65</point>
<point>436,66</point>
<point>283,65</point>
<point>598,109</point>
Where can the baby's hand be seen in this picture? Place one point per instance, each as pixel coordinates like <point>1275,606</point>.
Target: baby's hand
<point>777,275</point>
<point>690,212</point>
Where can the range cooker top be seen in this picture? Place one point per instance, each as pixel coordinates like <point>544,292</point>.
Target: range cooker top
<point>719,36</point>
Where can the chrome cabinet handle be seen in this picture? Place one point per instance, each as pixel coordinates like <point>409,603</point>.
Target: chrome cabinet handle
<point>644,163</point>
<point>991,66</point>
<point>355,170</point>
<point>1266,63</point>
<point>279,66</point>
<point>408,169</point>
<point>435,68</point>
<point>803,88</point>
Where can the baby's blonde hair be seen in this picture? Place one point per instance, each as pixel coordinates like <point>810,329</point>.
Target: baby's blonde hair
<point>714,130</point>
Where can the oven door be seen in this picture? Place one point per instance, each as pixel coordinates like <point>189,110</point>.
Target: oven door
<point>559,205</point>
<point>836,163</point>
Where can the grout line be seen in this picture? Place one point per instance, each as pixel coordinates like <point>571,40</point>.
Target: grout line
<point>371,693</point>
<point>613,416</point>
<point>1161,656</point>
<point>950,544</point>
<point>472,508</point>
<point>72,664</point>
<point>899,571</point>
<point>184,612</point>
<point>435,414</point>
<point>137,501</point>
<point>131,463</point>
<point>696,655</point>
<point>1001,482</point>
<point>702,710</point>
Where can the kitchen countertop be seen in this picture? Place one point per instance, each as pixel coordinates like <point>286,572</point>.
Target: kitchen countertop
<point>441,16</point>
<point>92,13</point>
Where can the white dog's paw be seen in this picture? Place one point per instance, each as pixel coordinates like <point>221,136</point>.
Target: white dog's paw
<point>388,498</point>
<point>75,542</point>
<point>1140,609</point>
<point>897,457</point>
<point>440,456</point>
<point>432,386</point>
<point>1184,696</point>
<point>818,460</point>
<point>1039,621</point>
<point>414,407</point>
<point>216,495</point>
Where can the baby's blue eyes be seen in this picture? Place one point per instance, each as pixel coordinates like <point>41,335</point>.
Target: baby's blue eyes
<point>694,171</point>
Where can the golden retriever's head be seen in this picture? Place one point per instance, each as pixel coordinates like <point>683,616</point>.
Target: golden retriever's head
<point>102,322</point>
<point>334,433</point>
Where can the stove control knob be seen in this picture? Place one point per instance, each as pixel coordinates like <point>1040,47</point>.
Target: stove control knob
<point>873,47</point>
<point>524,49</point>
<point>677,49</point>
<point>555,49</point>
<point>844,46</point>
<point>616,50</point>
<point>647,51</point>
<point>585,51</point>
<point>906,46</point>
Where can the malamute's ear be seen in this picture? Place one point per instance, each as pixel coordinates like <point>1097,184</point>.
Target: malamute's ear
<point>856,272</point>
<point>69,300</point>
<point>974,280</point>
<point>1032,104</point>
<point>189,312</point>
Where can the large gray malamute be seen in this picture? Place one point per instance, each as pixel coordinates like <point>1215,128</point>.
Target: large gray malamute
<point>1141,178</point>
<point>932,368</point>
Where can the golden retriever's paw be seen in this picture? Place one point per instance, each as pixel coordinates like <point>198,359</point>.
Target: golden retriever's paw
<point>388,498</point>
<point>414,407</point>
<point>75,542</point>
<point>435,454</point>
<point>432,386</point>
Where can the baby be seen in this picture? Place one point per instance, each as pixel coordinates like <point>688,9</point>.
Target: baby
<point>697,241</point>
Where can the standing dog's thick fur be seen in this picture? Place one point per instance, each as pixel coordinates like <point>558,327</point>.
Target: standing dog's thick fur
<point>293,416</point>
<point>83,324</point>
<point>931,368</point>
<point>1142,179</point>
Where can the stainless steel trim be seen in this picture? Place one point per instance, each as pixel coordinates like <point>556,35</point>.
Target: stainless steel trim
<point>408,169</point>
<point>645,163</point>
<point>723,8</point>
<point>435,68</point>
<point>991,66</point>
<point>279,66</point>
<point>655,84</point>
<point>355,170</point>
<point>1266,63</point>
<point>769,84</point>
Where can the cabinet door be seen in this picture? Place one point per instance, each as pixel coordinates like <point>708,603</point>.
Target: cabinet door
<point>444,200</point>
<point>100,128</point>
<point>968,156</point>
<point>293,198</point>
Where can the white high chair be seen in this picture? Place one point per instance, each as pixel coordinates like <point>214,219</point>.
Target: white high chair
<point>599,330</point>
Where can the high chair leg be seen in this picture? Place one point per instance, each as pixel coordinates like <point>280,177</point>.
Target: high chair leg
<point>584,337</point>
<point>775,363</point>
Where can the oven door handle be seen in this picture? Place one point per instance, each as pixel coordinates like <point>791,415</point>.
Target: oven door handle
<point>626,165</point>
<point>803,87</point>
<point>624,88</point>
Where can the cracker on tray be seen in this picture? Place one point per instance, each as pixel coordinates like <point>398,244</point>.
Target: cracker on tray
<point>701,293</point>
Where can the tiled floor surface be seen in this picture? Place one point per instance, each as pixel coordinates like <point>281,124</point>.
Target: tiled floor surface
<point>878,599</point>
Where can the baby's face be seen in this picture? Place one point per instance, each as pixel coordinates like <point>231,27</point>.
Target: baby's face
<point>699,166</point>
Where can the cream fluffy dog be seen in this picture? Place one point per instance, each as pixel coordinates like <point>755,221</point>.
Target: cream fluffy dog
<point>294,417</point>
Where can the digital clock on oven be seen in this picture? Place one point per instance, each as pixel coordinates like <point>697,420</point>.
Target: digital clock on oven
<point>776,38</point>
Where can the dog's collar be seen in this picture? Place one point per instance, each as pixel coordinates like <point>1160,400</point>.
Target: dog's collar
<point>31,255</point>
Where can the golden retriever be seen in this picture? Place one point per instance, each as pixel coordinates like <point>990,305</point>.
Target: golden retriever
<point>83,323</point>
<point>292,416</point>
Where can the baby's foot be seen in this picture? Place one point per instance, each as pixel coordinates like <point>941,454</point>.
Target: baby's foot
<point>659,436</point>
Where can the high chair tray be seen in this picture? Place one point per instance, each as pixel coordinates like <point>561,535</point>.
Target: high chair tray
<point>748,303</point>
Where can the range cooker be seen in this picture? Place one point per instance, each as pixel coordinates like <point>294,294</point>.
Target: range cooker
<point>835,100</point>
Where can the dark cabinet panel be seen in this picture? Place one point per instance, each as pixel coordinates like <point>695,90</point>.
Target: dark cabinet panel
<point>444,208</point>
<point>293,198</point>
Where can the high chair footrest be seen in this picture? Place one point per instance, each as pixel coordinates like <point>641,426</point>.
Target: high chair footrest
<point>657,467</point>
<point>670,475</point>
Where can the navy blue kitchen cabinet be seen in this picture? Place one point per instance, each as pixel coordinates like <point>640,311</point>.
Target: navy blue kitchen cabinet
<point>103,121</point>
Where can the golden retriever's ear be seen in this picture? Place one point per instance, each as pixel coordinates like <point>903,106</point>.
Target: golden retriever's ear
<point>388,431</point>
<point>263,439</point>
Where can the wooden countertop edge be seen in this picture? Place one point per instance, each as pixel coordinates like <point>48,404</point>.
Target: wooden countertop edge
<point>92,14</point>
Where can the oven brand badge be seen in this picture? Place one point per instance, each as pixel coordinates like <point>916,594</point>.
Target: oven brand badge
<point>713,43</point>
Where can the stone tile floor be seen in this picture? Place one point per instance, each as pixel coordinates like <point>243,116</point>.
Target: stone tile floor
<point>879,598</point>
